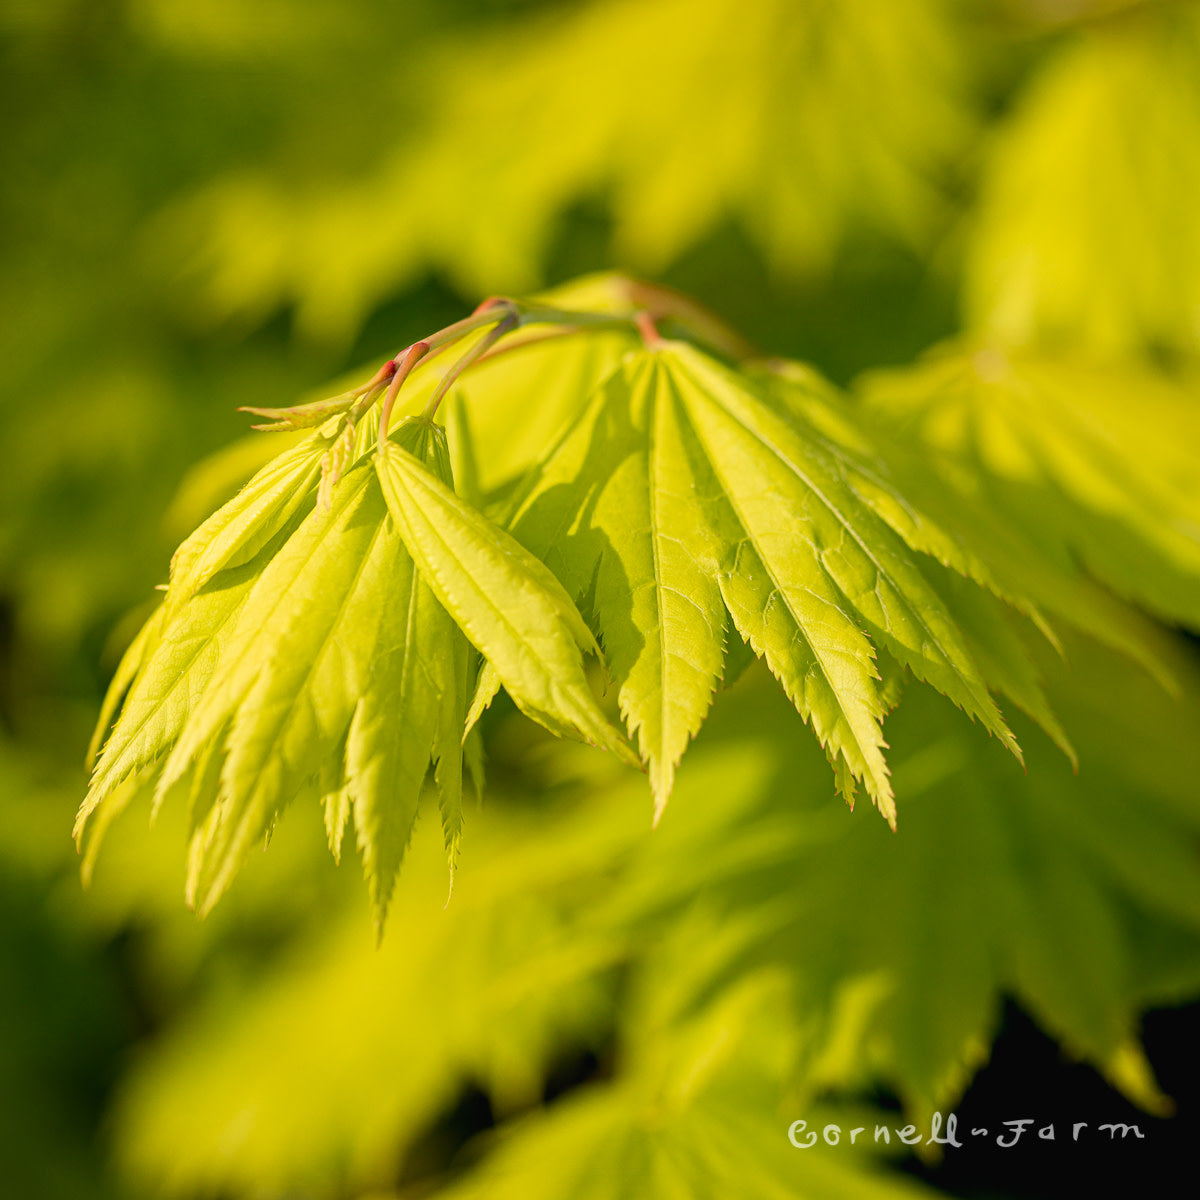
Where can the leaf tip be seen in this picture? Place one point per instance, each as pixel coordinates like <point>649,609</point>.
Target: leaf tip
<point>380,926</point>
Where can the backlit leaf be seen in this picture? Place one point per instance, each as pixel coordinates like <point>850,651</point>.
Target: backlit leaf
<point>683,493</point>
<point>508,604</point>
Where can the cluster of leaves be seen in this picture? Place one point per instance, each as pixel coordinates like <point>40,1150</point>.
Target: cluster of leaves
<point>752,961</point>
<point>320,631</point>
<point>762,948</point>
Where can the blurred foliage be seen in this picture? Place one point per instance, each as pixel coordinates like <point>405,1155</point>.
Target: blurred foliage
<point>800,121</point>
<point>886,957</point>
<point>215,204</point>
<point>1084,234</point>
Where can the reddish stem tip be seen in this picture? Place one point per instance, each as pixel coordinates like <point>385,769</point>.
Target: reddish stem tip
<point>649,331</point>
<point>490,302</point>
<point>383,374</point>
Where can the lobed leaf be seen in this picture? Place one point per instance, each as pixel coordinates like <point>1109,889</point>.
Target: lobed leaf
<point>240,528</point>
<point>684,493</point>
<point>937,506</point>
<point>317,633</point>
<point>337,629</point>
<point>509,605</point>
<point>298,649</point>
<point>613,514</point>
<point>1085,466</point>
<point>1105,137</point>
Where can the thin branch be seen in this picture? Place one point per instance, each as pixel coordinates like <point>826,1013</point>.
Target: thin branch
<point>477,351</point>
<point>410,358</point>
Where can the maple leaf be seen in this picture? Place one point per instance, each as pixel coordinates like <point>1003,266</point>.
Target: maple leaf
<point>301,646</point>
<point>1088,466</point>
<point>682,494</point>
<point>512,608</point>
<point>702,514</point>
<point>325,648</point>
<point>1078,894</point>
<point>1036,884</point>
<point>1072,164</point>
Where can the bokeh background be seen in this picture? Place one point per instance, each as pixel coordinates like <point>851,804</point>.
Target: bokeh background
<point>217,203</point>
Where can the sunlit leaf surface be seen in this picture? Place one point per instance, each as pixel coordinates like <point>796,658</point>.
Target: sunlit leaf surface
<point>1086,234</point>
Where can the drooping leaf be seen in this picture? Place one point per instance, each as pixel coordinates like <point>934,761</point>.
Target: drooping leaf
<point>939,508</point>
<point>261,515</point>
<point>897,950</point>
<point>340,645</point>
<point>510,606</point>
<point>683,493</point>
<point>614,513</point>
<point>323,659</point>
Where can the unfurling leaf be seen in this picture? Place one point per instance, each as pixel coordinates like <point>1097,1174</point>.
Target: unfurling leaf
<point>326,648</point>
<point>510,606</point>
<point>337,630</point>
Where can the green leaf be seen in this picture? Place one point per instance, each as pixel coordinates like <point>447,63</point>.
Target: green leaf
<point>1039,884</point>
<point>682,493</point>
<point>1085,233</point>
<point>508,604</point>
<point>614,513</point>
<point>940,507</point>
<point>1085,465</point>
<point>240,528</point>
<point>897,949</point>
<point>173,668</point>
<point>339,644</point>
